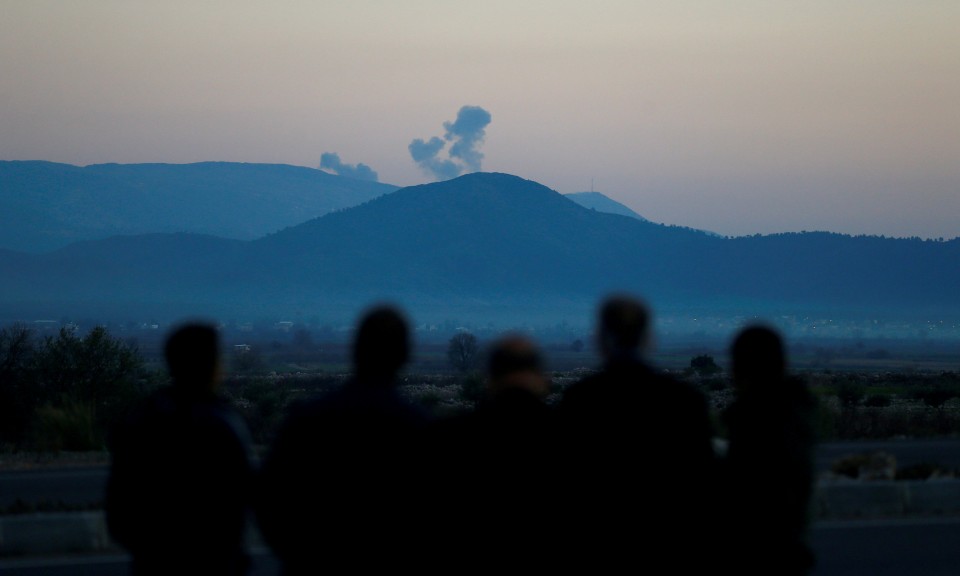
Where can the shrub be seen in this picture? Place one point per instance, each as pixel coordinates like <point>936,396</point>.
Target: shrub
<point>704,365</point>
<point>262,402</point>
<point>826,419</point>
<point>70,427</point>
<point>935,396</point>
<point>66,390</point>
<point>850,392</point>
<point>17,351</point>
<point>473,388</point>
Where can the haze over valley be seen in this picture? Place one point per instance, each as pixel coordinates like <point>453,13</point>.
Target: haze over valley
<point>280,243</point>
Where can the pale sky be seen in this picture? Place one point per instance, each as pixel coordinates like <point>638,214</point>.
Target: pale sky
<point>739,117</point>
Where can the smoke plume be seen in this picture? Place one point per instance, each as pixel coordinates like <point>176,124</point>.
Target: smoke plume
<point>331,161</point>
<point>465,134</point>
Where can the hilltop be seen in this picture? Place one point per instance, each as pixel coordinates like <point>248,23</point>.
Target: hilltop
<point>484,246</point>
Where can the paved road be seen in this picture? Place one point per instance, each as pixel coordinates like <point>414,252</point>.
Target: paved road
<point>908,547</point>
<point>72,486</point>
<point>83,486</point>
<point>927,547</point>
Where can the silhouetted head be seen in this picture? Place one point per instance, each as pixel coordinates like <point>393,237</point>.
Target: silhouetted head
<point>515,362</point>
<point>623,326</point>
<point>757,356</point>
<point>381,345</point>
<point>192,353</point>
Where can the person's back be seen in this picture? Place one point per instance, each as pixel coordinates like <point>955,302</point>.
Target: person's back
<point>178,493</point>
<point>769,463</point>
<point>340,482</point>
<point>640,451</point>
<point>500,461</point>
<point>629,405</point>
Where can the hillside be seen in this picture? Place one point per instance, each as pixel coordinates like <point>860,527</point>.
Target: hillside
<point>602,203</point>
<point>487,246</point>
<point>484,238</point>
<point>46,205</point>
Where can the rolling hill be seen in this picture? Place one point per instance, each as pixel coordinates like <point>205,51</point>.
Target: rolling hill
<point>602,203</point>
<point>46,205</point>
<point>487,246</point>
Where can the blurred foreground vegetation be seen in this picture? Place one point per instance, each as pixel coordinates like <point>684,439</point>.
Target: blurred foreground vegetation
<point>61,391</point>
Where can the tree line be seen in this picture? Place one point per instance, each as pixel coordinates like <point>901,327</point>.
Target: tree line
<point>62,391</point>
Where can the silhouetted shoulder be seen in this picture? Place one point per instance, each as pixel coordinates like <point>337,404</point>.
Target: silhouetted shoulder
<point>627,387</point>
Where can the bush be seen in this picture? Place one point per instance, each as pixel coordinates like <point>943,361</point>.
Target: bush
<point>826,420</point>
<point>65,391</point>
<point>704,365</point>
<point>935,396</point>
<point>472,389</point>
<point>850,392</point>
<point>262,402</point>
<point>17,401</point>
<point>71,427</point>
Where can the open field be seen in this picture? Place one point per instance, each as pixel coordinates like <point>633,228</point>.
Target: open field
<point>868,388</point>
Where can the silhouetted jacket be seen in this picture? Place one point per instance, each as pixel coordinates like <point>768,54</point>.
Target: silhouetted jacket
<point>180,484</point>
<point>341,481</point>
<point>639,469</point>
<point>498,482</point>
<point>508,429</point>
<point>629,410</point>
<point>770,474</point>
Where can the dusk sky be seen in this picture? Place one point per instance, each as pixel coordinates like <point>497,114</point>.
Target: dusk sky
<point>739,117</point>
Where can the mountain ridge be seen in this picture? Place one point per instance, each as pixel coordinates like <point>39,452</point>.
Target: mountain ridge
<point>602,203</point>
<point>47,205</point>
<point>489,244</point>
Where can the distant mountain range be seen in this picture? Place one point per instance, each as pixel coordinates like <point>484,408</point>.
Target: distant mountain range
<point>46,205</point>
<point>486,246</point>
<point>601,203</point>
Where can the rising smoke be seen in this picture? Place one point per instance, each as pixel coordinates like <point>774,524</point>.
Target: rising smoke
<point>331,161</point>
<point>466,134</point>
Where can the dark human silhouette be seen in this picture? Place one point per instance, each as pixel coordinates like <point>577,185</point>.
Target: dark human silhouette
<point>499,462</point>
<point>640,466</point>
<point>178,495</point>
<point>769,462</point>
<point>340,488</point>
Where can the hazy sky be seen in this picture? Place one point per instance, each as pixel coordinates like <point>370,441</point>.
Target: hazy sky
<point>739,117</point>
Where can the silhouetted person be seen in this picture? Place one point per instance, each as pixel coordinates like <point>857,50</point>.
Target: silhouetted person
<point>339,487</point>
<point>641,461</point>
<point>769,463</point>
<point>499,462</point>
<point>179,488</point>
